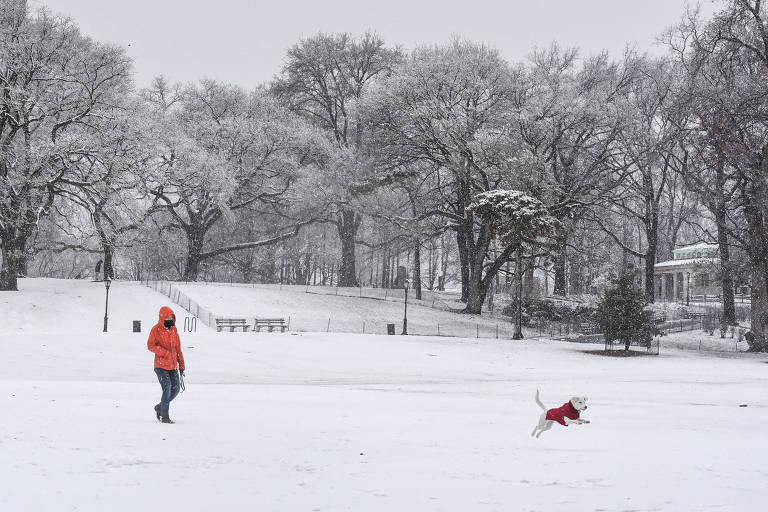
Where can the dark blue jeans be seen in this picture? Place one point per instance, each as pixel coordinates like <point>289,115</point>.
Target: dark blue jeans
<point>169,381</point>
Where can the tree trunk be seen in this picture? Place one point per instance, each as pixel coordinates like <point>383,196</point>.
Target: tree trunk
<point>396,274</point>
<point>576,275</point>
<point>443,265</point>
<point>529,282</point>
<point>348,224</point>
<point>759,310</point>
<point>561,259</point>
<point>393,264</point>
<point>194,250</point>
<point>477,292</point>
<point>625,254</point>
<point>651,234</point>
<point>726,275</point>
<point>247,270</point>
<point>463,263</point>
<point>307,267</point>
<point>385,270</point>
<point>518,334</point>
<point>13,251</point>
<point>480,275</point>
<point>431,265</point>
<point>109,271</point>
<point>417,270</point>
<point>756,212</point>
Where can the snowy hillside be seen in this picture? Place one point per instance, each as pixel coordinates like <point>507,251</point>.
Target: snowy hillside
<point>333,422</point>
<point>343,313</point>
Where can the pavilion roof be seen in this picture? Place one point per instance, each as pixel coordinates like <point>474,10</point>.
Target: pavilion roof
<point>690,263</point>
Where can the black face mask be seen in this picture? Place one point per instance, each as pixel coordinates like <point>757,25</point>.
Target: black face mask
<point>168,323</point>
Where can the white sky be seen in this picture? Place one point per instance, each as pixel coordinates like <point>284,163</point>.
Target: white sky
<point>244,42</point>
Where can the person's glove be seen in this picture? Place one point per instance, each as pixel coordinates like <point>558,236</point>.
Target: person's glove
<point>181,372</point>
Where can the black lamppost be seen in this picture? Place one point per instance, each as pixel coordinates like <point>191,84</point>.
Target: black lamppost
<point>107,282</point>
<point>405,311</point>
<point>688,293</point>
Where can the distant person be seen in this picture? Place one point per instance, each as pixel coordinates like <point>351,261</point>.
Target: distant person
<point>98,269</point>
<point>164,342</point>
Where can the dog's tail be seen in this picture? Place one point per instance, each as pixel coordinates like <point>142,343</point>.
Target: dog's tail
<point>543,408</point>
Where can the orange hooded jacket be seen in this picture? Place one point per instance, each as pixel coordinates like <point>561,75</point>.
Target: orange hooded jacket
<point>165,343</point>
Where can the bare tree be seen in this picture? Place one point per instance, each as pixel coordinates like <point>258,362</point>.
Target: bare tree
<point>53,83</point>
<point>570,123</point>
<point>726,64</point>
<point>322,80</point>
<point>222,150</point>
<point>106,181</point>
<point>450,108</point>
<point>649,144</point>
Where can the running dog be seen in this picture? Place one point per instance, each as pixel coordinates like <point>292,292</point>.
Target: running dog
<point>566,414</point>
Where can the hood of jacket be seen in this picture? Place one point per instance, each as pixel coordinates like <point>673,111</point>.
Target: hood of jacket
<point>164,312</point>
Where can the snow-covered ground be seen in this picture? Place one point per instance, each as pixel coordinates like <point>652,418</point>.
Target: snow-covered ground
<point>351,422</point>
<point>320,312</point>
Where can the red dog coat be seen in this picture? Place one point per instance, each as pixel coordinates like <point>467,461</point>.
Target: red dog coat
<point>566,410</point>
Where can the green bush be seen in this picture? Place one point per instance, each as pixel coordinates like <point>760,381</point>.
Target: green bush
<point>621,313</point>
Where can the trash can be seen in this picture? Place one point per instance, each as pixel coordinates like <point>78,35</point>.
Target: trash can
<point>137,326</point>
<point>390,328</point>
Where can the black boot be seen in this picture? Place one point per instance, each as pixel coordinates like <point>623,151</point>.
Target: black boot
<point>165,417</point>
<point>157,412</point>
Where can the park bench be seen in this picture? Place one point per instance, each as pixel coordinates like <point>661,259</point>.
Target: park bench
<point>588,328</point>
<point>270,323</point>
<point>660,318</point>
<point>695,315</point>
<point>232,324</point>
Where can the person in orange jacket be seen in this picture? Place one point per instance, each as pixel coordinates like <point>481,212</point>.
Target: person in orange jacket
<point>165,344</point>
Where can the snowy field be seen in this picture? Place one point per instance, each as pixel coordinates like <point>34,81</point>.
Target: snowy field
<point>351,422</point>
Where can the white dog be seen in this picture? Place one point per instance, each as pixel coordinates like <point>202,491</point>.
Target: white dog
<point>566,414</point>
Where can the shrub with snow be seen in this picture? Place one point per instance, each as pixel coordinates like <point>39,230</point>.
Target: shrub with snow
<point>622,315</point>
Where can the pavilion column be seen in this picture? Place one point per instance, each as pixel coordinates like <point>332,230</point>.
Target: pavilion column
<point>674,286</point>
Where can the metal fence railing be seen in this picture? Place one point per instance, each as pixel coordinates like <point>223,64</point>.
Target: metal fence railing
<point>182,299</point>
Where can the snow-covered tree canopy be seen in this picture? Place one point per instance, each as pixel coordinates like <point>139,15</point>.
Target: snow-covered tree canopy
<point>514,217</point>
